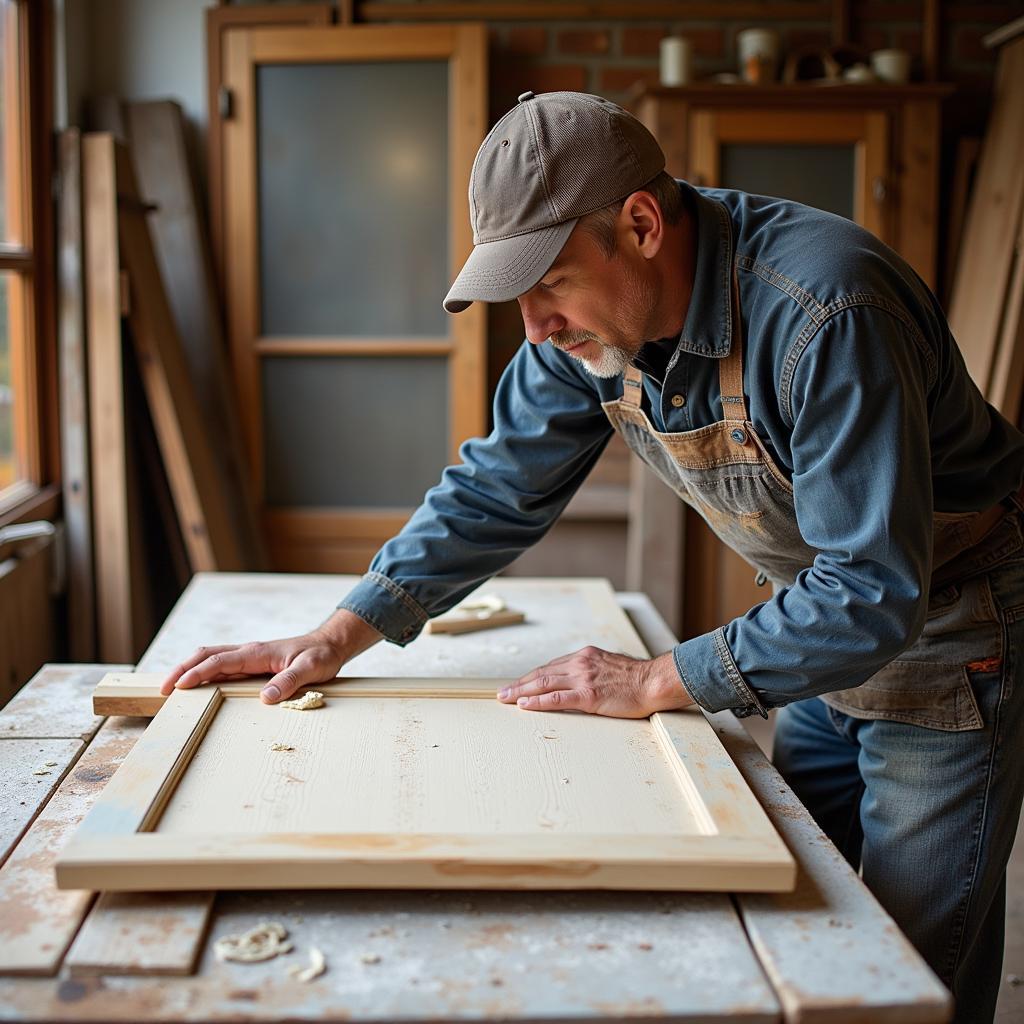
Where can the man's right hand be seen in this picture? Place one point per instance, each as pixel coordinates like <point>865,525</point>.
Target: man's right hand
<point>294,662</point>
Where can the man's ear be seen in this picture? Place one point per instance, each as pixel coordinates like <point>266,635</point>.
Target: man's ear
<point>641,224</point>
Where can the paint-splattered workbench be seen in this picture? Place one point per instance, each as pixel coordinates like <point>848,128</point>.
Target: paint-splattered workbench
<point>824,952</point>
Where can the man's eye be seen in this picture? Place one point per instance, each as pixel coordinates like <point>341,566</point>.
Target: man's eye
<point>548,285</point>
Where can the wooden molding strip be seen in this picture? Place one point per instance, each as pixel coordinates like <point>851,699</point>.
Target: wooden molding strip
<point>538,10</point>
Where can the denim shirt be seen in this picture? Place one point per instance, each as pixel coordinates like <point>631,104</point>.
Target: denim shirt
<point>859,393</point>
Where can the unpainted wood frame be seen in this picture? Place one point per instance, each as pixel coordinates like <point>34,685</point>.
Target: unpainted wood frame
<point>464,47</point>
<point>219,21</point>
<point>116,848</point>
<point>866,131</point>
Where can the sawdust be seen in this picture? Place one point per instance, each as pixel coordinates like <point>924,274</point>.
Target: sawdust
<point>317,966</point>
<point>281,747</point>
<point>310,700</point>
<point>263,942</point>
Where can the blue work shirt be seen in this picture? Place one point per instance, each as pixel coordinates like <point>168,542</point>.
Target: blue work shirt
<point>854,384</point>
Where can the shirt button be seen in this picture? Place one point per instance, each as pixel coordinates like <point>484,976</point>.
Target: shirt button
<point>678,401</point>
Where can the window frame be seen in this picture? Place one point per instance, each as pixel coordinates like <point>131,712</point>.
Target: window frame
<point>36,492</point>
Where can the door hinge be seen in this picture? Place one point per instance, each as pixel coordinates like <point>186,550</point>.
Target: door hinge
<point>225,103</point>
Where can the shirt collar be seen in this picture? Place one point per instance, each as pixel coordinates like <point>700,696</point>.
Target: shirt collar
<point>707,330</point>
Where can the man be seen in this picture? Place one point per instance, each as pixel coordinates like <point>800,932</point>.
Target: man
<point>794,380</point>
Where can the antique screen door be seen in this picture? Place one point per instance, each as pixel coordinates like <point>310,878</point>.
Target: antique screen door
<point>346,160</point>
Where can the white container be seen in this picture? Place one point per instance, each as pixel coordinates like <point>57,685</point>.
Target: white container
<point>758,50</point>
<point>676,64</point>
<point>891,66</point>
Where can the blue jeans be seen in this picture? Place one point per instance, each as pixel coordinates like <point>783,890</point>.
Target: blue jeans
<point>928,815</point>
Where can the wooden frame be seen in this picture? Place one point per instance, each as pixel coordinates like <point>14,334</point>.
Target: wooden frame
<point>27,253</point>
<point>148,829</point>
<point>464,48</point>
<point>866,131</point>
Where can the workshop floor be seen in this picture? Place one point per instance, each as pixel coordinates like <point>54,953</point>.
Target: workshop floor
<point>1010,1008</point>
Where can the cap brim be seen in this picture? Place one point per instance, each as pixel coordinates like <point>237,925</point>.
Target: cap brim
<point>501,270</point>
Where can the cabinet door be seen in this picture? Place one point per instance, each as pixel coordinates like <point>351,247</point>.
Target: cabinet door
<point>347,158</point>
<point>834,160</point>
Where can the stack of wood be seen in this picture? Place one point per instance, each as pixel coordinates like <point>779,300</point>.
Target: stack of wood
<point>987,301</point>
<point>155,481</point>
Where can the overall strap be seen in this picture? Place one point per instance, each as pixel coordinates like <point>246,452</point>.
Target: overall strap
<point>632,387</point>
<point>730,369</point>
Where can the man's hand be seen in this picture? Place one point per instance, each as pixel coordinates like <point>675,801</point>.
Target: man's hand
<point>297,661</point>
<point>601,683</point>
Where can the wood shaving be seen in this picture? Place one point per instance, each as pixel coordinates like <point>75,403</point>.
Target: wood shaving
<point>263,942</point>
<point>280,746</point>
<point>486,603</point>
<point>49,764</point>
<point>317,966</point>
<point>42,771</point>
<point>307,702</point>
<point>370,958</point>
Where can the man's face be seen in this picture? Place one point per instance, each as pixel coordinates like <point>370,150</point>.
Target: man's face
<point>598,310</point>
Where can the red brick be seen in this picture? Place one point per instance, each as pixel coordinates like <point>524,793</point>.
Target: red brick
<point>707,42</point>
<point>526,41</point>
<point>582,41</point>
<point>623,79</point>
<point>510,78</point>
<point>643,42</point>
<point>806,39</point>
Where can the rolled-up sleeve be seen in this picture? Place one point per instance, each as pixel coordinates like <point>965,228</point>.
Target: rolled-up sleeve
<point>506,492</point>
<point>863,495</point>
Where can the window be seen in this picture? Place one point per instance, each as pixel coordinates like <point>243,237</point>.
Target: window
<point>24,130</point>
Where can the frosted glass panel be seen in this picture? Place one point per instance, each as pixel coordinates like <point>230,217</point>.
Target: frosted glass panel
<point>820,176</point>
<point>354,431</point>
<point>353,198</point>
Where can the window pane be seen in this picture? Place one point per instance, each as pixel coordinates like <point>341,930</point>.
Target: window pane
<point>357,432</point>
<point>820,176</point>
<point>353,199</point>
<point>10,128</point>
<point>8,468</point>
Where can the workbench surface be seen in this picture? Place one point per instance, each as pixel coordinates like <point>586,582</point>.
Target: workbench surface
<point>824,952</point>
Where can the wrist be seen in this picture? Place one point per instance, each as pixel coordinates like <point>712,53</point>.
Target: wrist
<point>665,686</point>
<point>347,634</point>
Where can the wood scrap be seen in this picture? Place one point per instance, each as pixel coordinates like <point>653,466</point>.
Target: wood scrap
<point>481,611</point>
<point>309,701</point>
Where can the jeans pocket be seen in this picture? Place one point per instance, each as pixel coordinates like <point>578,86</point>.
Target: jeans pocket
<point>929,684</point>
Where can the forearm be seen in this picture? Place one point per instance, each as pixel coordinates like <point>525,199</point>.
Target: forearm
<point>349,634</point>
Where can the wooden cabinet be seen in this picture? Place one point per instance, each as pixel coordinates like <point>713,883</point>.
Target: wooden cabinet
<point>870,153</point>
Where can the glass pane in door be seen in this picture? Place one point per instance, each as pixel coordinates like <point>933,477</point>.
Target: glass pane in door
<point>354,432</point>
<point>820,176</point>
<point>353,199</point>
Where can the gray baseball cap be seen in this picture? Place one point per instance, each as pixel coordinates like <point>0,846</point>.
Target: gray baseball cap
<point>550,160</point>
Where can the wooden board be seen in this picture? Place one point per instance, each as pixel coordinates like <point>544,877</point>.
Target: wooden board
<point>140,933</point>
<point>562,615</point>
<point>155,132</point>
<point>74,400</point>
<point>54,704</point>
<point>29,773</point>
<point>407,790</point>
<point>986,260</point>
<point>37,922</point>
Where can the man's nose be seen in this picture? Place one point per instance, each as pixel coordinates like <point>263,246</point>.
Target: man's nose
<point>539,323</point>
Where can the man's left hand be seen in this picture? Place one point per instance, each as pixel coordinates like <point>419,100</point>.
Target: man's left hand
<point>600,683</point>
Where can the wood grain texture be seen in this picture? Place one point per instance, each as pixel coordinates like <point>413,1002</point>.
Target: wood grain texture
<point>55,704</point>
<point>140,933</point>
<point>30,771</point>
<point>38,922</point>
<point>985,263</point>
<point>414,791</point>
